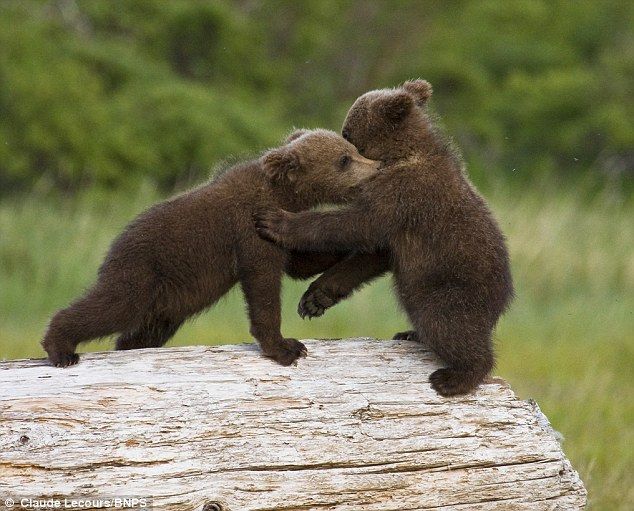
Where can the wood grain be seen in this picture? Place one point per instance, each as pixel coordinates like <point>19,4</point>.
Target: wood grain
<point>355,426</point>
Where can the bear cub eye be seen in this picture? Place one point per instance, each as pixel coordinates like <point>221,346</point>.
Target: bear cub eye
<point>344,161</point>
<point>346,135</point>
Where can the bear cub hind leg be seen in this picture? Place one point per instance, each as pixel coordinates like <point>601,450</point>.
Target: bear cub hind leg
<point>154,334</point>
<point>97,314</point>
<point>467,365</point>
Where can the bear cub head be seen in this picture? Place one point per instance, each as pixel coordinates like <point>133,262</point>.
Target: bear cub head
<point>382,123</point>
<point>318,167</point>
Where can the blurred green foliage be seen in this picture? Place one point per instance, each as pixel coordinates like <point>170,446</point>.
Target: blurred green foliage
<point>113,93</point>
<point>146,96</point>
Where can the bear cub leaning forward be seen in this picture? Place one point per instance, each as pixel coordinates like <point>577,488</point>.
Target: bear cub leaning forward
<point>446,251</point>
<point>182,255</point>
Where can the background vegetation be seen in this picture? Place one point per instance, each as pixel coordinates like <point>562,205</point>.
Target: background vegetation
<point>107,107</point>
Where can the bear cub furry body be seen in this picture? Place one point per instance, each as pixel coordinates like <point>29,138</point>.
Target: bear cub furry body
<point>446,251</point>
<point>182,255</point>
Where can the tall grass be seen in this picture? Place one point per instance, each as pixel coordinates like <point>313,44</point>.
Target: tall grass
<point>568,340</point>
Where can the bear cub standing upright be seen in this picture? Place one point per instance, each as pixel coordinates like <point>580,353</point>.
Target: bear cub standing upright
<point>182,255</point>
<point>446,251</point>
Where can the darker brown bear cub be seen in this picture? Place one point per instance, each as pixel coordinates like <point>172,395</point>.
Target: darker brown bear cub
<point>448,256</point>
<point>182,255</point>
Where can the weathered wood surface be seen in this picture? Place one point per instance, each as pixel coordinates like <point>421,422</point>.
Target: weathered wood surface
<point>355,426</point>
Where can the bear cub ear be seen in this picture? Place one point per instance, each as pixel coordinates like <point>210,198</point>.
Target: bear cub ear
<point>396,105</point>
<point>295,135</point>
<point>420,89</point>
<point>282,163</point>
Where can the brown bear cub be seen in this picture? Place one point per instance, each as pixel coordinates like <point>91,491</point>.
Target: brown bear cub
<point>182,255</point>
<point>446,251</point>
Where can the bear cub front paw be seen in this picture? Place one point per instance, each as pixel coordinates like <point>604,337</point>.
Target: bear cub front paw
<point>63,358</point>
<point>286,351</point>
<point>315,302</point>
<point>271,225</point>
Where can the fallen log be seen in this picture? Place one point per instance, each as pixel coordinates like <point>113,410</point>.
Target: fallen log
<point>355,426</point>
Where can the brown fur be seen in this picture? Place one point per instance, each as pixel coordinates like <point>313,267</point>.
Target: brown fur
<point>182,255</point>
<point>448,256</point>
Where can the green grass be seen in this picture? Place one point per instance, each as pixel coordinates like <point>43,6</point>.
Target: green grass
<point>567,342</point>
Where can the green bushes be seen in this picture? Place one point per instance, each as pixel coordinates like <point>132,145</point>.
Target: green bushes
<point>80,109</point>
<point>111,93</point>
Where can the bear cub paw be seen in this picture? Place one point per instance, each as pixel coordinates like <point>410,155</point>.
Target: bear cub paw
<point>314,303</point>
<point>272,225</point>
<point>63,358</point>
<point>409,335</point>
<point>286,351</point>
<point>453,382</point>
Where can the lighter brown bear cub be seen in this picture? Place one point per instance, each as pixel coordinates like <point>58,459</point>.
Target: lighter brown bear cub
<point>445,249</point>
<point>182,255</point>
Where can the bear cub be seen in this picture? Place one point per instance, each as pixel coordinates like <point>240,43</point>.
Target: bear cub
<point>180,256</point>
<point>446,251</point>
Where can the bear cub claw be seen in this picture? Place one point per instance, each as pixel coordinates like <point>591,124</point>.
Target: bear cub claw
<point>314,303</point>
<point>270,224</point>
<point>287,351</point>
<point>409,335</point>
<point>63,359</point>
